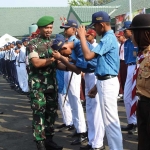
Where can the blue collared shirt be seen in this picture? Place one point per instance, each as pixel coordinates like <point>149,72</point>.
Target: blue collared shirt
<point>85,66</point>
<point>130,52</point>
<point>108,55</point>
<point>60,81</point>
<point>73,39</point>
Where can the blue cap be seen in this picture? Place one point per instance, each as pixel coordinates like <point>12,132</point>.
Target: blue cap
<point>16,48</point>
<point>18,42</point>
<point>100,17</point>
<point>58,42</point>
<point>126,25</point>
<point>14,43</point>
<point>70,23</point>
<point>8,44</point>
<point>25,39</point>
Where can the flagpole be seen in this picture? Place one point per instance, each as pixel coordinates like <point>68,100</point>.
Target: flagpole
<point>130,9</point>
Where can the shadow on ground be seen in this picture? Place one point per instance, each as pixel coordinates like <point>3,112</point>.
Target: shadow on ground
<point>15,124</point>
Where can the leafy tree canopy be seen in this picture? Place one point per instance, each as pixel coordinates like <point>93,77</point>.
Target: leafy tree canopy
<point>79,3</point>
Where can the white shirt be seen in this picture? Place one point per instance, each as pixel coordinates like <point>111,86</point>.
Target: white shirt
<point>121,52</point>
<point>94,44</point>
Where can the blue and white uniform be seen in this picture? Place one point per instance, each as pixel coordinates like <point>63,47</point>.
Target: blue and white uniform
<point>74,95</point>
<point>94,118</point>
<point>66,109</point>
<point>21,70</point>
<point>108,87</point>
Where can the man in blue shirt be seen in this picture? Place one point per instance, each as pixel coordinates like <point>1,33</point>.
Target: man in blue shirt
<point>70,28</point>
<point>107,86</point>
<point>94,119</point>
<point>130,53</point>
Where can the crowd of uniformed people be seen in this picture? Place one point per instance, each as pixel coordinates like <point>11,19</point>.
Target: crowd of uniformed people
<point>34,67</point>
<point>13,65</point>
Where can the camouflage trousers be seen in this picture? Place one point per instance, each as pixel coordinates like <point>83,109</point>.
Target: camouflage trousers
<point>44,107</point>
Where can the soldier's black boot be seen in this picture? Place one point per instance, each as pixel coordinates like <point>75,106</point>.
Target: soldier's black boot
<point>51,145</point>
<point>40,145</point>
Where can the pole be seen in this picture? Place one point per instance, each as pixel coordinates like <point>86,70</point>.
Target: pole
<point>130,10</point>
<point>68,88</point>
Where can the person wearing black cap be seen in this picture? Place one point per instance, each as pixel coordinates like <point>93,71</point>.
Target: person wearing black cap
<point>140,27</point>
<point>107,86</point>
<point>130,54</point>
<point>21,74</point>
<point>93,114</point>
<point>70,28</point>
<point>43,85</point>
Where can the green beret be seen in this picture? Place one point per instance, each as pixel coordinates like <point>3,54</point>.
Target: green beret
<point>44,21</point>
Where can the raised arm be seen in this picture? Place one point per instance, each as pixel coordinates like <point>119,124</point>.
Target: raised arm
<point>88,55</point>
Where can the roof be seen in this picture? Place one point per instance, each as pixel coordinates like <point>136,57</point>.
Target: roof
<point>83,13</point>
<point>16,21</point>
<point>6,38</point>
<point>124,6</point>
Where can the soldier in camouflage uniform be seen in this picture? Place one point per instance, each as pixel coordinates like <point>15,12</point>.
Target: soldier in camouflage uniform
<point>43,86</point>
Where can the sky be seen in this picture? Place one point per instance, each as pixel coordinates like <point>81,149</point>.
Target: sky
<point>33,3</point>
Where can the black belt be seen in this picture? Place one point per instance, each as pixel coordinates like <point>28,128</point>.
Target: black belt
<point>122,60</point>
<point>130,64</point>
<point>90,71</point>
<point>21,62</point>
<point>105,77</point>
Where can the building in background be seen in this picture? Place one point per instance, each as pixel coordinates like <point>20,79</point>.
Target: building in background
<point>19,22</point>
<point>16,21</point>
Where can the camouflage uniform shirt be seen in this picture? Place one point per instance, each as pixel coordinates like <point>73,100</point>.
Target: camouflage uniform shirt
<point>44,78</point>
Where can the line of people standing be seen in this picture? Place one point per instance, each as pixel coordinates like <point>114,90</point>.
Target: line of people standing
<point>13,65</point>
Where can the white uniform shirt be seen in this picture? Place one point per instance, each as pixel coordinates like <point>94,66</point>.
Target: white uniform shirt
<point>22,54</point>
<point>121,52</point>
<point>94,44</point>
<point>12,54</point>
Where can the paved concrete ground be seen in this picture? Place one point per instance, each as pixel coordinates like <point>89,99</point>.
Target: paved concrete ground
<point>15,124</point>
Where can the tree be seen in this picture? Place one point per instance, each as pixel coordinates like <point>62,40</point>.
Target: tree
<point>99,2</point>
<point>79,3</point>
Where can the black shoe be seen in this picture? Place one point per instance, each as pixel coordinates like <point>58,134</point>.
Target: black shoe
<point>51,145</point>
<point>1,112</point>
<point>24,93</point>
<point>82,138</point>
<point>70,127</point>
<point>128,127</point>
<point>85,147</point>
<point>61,126</point>
<point>101,148</point>
<point>12,85</point>
<point>134,130</point>
<point>40,145</point>
<point>75,134</point>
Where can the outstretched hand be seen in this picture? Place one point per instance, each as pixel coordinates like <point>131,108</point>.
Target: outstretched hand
<point>92,93</point>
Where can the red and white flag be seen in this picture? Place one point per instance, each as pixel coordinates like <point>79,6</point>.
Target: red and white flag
<point>140,58</point>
